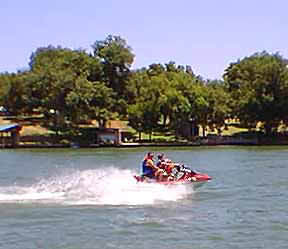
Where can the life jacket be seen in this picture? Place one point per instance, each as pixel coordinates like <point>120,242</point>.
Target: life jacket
<point>146,170</point>
<point>169,167</point>
<point>161,164</point>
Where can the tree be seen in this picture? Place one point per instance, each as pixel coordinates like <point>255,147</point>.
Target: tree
<point>143,117</point>
<point>5,82</point>
<point>157,96</point>
<point>60,86</point>
<point>259,84</point>
<point>143,112</point>
<point>14,92</point>
<point>116,57</point>
<point>91,100</point>
<point>219,102</point>
<point>155,69</point>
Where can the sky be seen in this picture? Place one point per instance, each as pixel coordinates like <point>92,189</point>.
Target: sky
<point>208,35</point>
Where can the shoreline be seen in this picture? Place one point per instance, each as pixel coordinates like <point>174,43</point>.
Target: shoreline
<point>136,145</point>
<point>8,140</point>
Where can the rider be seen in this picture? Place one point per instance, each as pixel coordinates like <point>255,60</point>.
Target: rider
<point>165,164</point>
<point>161,160</point>
<point>149,169</point>
<point>173,170</point>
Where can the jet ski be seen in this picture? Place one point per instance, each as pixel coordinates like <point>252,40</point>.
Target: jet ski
<point>179,175</point>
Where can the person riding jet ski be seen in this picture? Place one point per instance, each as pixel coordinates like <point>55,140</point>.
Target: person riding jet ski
<point>174,170</point>
<point>167,172</point>
<point>149,169</point>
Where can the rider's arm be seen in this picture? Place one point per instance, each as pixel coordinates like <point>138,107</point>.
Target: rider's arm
<point>152,165</point>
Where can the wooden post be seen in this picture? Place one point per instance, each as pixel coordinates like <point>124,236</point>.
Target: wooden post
<point>2,138</point>
<point>119,137</point>
<point>15,138</point>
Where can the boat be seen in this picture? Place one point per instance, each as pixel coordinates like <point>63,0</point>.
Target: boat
<point>180,175</point>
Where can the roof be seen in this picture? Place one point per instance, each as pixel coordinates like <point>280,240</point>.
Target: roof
<point>118,124</point>
<point>2,109</point>
<point>9,127</point>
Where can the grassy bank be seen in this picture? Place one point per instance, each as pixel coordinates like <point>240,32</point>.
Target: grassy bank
<point>34,134</point>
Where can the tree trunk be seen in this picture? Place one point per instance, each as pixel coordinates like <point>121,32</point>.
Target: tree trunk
<point>102,123</point>
<point>268,129</point>
<point>204,130</point>
<point>165,120</point>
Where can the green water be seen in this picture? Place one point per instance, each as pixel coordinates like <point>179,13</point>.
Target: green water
<point>78,198</point>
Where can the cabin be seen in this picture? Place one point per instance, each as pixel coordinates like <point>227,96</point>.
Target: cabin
<point>116,132</point>
<point>109,136</point>
<point>10,135</point>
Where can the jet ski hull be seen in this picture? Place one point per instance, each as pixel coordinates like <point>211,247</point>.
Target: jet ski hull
<point>196,179</point>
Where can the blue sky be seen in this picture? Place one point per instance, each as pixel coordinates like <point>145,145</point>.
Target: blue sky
<point>206,34</point>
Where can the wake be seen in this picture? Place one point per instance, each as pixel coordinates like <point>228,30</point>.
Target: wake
<point>109,186</point>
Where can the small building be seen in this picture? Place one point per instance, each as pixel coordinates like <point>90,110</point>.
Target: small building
<point>119,130</point>
<point>108,136</point>
<point>3,111</point>
<point>10,135</point>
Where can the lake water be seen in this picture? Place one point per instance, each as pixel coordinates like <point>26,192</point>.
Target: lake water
<point>85,199</point>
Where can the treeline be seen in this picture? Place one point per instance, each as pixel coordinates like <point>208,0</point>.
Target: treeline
<point>71,86</point>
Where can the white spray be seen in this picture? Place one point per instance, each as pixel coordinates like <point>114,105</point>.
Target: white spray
<point>109,186</point>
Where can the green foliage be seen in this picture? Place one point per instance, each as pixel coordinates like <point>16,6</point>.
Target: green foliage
<point>162,91</point>
<point>71,86</point>
<point>61,84</point>
<point>13,87</point>
<point>143,113</point>
<point>178,97</point>
<point>4,86</point>
<point>218,101</point>
<point>116,58</point>
<point>258,85</point>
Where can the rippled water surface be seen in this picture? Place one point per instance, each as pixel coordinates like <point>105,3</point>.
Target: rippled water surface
<point>85,199</point>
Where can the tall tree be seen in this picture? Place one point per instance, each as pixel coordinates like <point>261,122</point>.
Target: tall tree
<point>60,84</point>
<point>14,95</point>
<point>259,83</point>
<point>219,101</point>
<point>159,90</point>
<point>143,112</point>
<point>4,86</point>
<point>116,57</point>
<point>90,100</point>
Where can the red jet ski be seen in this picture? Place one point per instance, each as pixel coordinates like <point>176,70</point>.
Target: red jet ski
<point>179,175</point>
